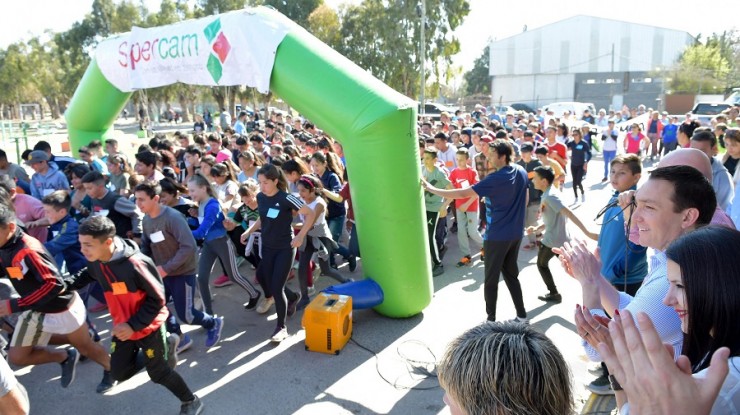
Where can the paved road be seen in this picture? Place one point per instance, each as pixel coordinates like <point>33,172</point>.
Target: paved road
<point>246,374</point>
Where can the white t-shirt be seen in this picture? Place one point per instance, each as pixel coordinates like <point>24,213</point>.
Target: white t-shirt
<point>448,157</point>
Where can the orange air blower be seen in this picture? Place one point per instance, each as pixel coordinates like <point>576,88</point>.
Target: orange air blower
<point>328,323</point>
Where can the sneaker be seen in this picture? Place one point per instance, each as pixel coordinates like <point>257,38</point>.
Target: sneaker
<point>265,304</point>
<point>311,289</point>
<point>438,270</point>
<point>214,333</point>
<point>583,198</point>
<point>600,386</point>
<point>551,298</point>
<point>352,263</point>
<point>106,384</point>
<point>184,344</point>
<point>522,320</point>
<point>222,281</point>
<point>69,367</point>
<point>172,341</point>
<point>596,370</point>
<point>303,303</point>
<point>442,251</point>
<point>292,304</point>
<point>280,334</point>
<point>464,261</point>
<point>253,301</point>
<point>603,180</point>
<point>194,407</point>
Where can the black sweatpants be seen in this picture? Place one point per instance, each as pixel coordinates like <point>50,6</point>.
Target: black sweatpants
<point>500,258</point>
<point>123,365</point>
<point>544,256</point>
<point>304,268</point>
<point>578,173</point>
<point>273,274</point>
<point>432,218</point>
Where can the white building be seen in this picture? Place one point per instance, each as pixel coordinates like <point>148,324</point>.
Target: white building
<point>587,59</point>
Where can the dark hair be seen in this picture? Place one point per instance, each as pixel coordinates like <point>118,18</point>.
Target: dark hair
<point>95,145</point>
<point>83,150</point>
<point>541,150</point>
<point>690,190</point>
<point>712,291</point>
<point>331,163</point>
<point>171,186</point>
<point>310,182</point>
<point>250,156</point>
<point>441,136</point>
<point>463,152</point>
<point>193,149</point>
<point>704,134</point>
<point>503,148</point>
<point>546,172</point>
<point>7,183</point>
<point>148,158</point>
<point>43,146</point>
<point>295,165</point>
<point>7,215</point>
<point>431,151</point>
<point>111,141</point>
<point>99,227</point>
<point>733,134</point>
<point>632,161</point>
<point>273,172</point>
<point>58,199</point>
<point>77,170</point>
<point>94,177</point>
<point>3,155</point>
<point>122,162</point>
<point>150,187</point>
<point>688,128</point>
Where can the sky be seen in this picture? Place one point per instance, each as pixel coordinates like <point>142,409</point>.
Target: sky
<point>488,19</point>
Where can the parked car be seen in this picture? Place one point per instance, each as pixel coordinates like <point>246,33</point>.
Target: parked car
<point>577,108</point>
<point>432,110</point>
<point>524,107</point>
<point>705,111</point>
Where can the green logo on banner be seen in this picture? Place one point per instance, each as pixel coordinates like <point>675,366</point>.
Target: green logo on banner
<point>220,49</point>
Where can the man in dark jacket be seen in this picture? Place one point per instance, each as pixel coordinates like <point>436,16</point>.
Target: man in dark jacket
<point>46,306</point>
<point>134,292</point>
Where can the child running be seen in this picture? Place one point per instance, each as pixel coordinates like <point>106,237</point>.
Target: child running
<point>135,296</point>
<point>466,213</point>
<point>216,244</point>
<point>276,207</point>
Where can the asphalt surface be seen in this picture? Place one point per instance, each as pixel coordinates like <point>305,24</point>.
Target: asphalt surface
<point>388,368</point>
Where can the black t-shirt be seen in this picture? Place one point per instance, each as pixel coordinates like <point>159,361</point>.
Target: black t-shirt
<point>276,217</point>
<point>731,165</point>
<point>580,152</point>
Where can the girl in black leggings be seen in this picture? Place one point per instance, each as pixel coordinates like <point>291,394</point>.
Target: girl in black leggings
<point>276,209</point>
<point>580,156</point>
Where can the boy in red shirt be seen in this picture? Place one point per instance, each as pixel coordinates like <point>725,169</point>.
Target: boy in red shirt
<point>467,209</point>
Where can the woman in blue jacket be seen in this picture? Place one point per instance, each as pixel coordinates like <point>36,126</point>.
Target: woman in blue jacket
<point>216,243</point>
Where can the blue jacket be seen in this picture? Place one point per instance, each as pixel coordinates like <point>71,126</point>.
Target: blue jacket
<point>613,250</point>
<point>65,245</point>
<point>212,226</point>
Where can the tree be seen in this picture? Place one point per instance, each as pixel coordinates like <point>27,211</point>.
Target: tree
<point>384,38</point>
<point>702,68</point>
<point>296,10</point>
<point>324,24</point>
<point>478,80</point>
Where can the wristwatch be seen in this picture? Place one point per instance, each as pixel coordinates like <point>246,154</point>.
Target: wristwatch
<point>614,383</point>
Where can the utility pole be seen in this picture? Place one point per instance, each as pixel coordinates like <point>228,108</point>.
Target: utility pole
<point>423,52</point>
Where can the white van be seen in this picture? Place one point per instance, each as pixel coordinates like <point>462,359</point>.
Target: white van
<point>577,108</point>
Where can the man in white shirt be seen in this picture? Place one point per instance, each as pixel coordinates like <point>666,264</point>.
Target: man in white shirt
<point>445,151</point>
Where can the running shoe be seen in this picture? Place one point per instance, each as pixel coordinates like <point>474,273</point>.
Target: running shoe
<point>352,263</point>
<point>600,386</point>
<point>222,281</point>
<point>69,367</point>
<point>303,303</point>
<point>214,333</point>
<point>264,305</point>
<point>551,298</point>
<point>522,320</point>
<point>292,304</point>
<point>185,343</point>
<point>253,301</point>
<point>194,407</point>
<point>464,261</point>
<point>438,270</point>
<point>107,383</point>
<point>280,334</point>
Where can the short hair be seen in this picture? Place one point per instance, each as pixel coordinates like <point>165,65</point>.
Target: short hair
<point>541,150</point>
<point>148,158</point>
<point>95,177</point>
<point>111,141</point>
<point>546,172</point>
<point>7,183</point>
<point>193,150</point>
<point>84,150</point>
<point>241,141</point>
<point>77,169</point>
<point>431,151</point>
<point>43,146</point>
<point>733,134</point>
<point>690,190</point>
<point>58,199</point>
<point>721,126</point>
<point>441,136</point>
<point>7,215</point>
<point>632,161</point>
<point>704,135</point>
<point>99,227</point>
<point>150,187</point>
<point>95,145</point>
<point>503,148</point>
<point>503,368</point>
<point>3,155</point>
<point>463,152</point>
<point>480,132</point>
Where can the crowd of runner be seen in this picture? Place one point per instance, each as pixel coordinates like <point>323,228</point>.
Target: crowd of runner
<point>134,231</point>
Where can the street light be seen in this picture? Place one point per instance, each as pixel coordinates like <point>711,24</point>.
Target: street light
<point>422,11</point>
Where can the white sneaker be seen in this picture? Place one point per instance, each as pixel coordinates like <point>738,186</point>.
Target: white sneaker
<point>279,335</point>
<point>265,304</point>
<point>583,198</point>
<point>522,320</point>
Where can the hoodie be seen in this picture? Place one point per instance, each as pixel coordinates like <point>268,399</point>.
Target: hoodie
<point>42,185</point>
<point>131,285</point>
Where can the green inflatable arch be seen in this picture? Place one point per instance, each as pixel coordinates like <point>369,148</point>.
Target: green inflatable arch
<point>375,124</point>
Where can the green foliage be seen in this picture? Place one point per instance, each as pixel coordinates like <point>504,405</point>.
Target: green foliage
<point>708,68</point>
<point>478,80</point>
<point>384,38</point>
<point>296,10</point>
<point>324,24</point>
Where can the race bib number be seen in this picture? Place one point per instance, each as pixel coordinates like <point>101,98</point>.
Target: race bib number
<point>157,237</point>
<point>272,213</point>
